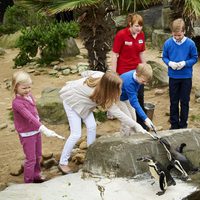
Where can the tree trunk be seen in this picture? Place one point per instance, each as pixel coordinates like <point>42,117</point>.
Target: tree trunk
<point>97,30</point>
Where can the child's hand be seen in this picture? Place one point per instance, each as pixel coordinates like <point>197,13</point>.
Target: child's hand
<point>139,129</point>
<point>49,133</point>
<point>173,65</point>
<point>59,136</point>
<point>181,65</point>
<point>149,123</point>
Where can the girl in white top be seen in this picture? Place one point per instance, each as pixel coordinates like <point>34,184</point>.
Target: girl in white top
<point>80,98</point>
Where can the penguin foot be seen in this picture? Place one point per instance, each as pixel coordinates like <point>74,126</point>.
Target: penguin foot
<point>171,182</point>
<point>160,193</point>
<point>152,183</point>
<point>185,178</point>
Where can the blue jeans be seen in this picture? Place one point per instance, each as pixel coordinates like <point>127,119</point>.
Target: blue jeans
<point>179,91</point>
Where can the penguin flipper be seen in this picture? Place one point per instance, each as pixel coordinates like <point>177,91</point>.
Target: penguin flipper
<point>162,181</point>
<point>180,148</point>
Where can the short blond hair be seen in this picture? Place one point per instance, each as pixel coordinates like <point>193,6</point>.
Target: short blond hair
<point>178,25</point>
<point>144,69</point>
<point>20,77</point>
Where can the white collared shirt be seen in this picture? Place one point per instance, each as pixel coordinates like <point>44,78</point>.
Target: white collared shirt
<point>180,42</point>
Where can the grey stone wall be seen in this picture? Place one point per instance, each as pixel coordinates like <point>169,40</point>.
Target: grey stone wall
<point>116,155</point>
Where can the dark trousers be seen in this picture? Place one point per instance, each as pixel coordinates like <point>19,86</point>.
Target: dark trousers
<point>141,101</point>
<point>179,92</point>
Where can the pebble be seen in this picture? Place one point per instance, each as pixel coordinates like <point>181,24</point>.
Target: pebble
<point>3,126</point>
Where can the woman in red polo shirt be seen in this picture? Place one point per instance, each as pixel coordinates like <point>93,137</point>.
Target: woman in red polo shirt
<point>128,48</point>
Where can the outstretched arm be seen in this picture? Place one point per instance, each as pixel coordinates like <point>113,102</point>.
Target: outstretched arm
<point>115,111</point>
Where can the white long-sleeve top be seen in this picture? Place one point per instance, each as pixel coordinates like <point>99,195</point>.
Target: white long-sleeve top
<point>77,95</point>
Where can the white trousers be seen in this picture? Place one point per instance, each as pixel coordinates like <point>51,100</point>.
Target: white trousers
<point>126,107</point>
<point>75,132</point>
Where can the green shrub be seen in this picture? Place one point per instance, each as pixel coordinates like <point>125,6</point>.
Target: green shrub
<point>195,118</point>
<point>49,39</point>
<point>100,116</point>
<point>16,18</point>
<point>11,116</point>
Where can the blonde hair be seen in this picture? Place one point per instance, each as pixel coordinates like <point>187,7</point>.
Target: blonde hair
<point>133,18</point>
<point>107,89</point>
<point>144,69</point>
<point>178,25</point>
<point>20,77</point>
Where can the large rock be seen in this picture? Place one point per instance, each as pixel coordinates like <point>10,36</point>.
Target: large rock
<point>117,155</point>
<point>151,16</point>
<point>71,49</point>
<point>78,187</point>
<point>160,74</point>
<point>166,20</point>
<point>50,107</point>
<point>159,37</point>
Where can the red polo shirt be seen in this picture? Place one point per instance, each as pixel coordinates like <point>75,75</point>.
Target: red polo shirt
<point>129,49</point>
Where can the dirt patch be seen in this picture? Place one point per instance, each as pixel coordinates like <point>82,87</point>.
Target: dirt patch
<point>11,155</point>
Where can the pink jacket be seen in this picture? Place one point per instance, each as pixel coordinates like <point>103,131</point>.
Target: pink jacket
<point>26,117</point>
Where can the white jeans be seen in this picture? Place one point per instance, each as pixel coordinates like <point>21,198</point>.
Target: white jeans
<point>126,107</point>
<point>75,132</point>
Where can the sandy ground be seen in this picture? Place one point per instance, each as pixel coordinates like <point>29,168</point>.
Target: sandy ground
<point>11,155</point>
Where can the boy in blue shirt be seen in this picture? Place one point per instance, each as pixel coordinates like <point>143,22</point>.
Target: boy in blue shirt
<point>132,81</point>
<point>179,54</point>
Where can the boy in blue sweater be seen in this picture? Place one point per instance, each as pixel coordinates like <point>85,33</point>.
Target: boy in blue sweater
<point>179,54</point>
<point>132,81</point>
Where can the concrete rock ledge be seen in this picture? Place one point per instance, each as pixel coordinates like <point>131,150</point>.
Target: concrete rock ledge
<point>115,155</point>
<point>73,187</point>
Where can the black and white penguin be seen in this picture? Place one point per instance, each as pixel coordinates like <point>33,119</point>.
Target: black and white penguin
<point>159,172</point>
<point>177,159</point>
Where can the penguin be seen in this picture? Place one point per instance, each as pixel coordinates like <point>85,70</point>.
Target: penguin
<point>177,159</point>
<point>159,172</point>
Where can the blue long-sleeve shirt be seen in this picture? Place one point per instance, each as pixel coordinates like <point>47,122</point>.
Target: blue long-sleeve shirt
<point>186,51</point>
<point>130,89</point>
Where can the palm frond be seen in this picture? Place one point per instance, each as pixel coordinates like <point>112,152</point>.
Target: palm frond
<point>61,5</point>
<point>55,6</point>
<point>38,5</point>
<point>192,8</point>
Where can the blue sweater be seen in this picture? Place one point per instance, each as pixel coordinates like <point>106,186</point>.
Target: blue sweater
<point>130,89</point>
<point>187,52</point>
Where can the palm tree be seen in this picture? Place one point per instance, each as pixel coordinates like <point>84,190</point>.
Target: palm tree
<point>96,24</point>
<point>189,10</point>
<point>133,5</point>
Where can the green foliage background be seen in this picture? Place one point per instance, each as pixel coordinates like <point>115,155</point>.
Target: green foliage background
<point>49,39</point>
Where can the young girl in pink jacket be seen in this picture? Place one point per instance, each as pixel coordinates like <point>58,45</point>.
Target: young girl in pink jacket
<point>27,124</point>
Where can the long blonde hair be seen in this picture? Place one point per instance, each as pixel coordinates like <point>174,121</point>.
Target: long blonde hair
<point>20,77</point>
<point>107,89</point>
